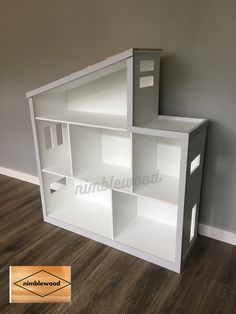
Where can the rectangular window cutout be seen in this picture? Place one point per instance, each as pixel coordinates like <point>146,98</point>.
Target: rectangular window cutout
<point>195,164</point>
<point>146,65</point>
<point>57,185</point>
<point>59,132</point>
<point>193,222</point>
<point>48,137</point>
<point>145,81</point>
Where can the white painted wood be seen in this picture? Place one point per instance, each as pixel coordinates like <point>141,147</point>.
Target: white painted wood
<point>106,160</point>
<point>151,237</point>
<point>72,204</point>
<point>111,168</point>
<point>138,221</point>
<point>158,169</point>
<point>61,168</point>
<point>165,190</point>
<point>50,103</point>
<point>157,210</point>
<point>181,203</point>
<point>36,147</point>
<point>203,229</point>
<point>70,153</point>
<point>112,243</point>
<point>87,216</point>
<point>124,210</point>
<point>105,121</point>
<point>98,99</point>
<point>130,86</point>
<point>106,95</point>
<point>57,158</point>
<point>160,133</point>
<point>174,124</point>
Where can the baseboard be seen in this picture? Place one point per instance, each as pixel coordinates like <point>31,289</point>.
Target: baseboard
<point>217,234</point>
<point>19,175</point>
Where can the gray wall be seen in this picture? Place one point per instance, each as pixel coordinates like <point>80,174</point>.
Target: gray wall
<point>41,41</point>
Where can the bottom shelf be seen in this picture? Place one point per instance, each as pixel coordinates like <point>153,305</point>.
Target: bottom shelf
<point>86,215</point>
<point>150,236</point>
<point>145,224</point>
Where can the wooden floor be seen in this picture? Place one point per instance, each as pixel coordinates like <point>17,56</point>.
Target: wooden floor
<point>105,280</point>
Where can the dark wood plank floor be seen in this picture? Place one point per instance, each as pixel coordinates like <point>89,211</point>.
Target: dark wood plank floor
<point>105,280</point>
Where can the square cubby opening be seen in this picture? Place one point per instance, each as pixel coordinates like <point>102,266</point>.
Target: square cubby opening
<point>101,156</point>
<point>78,203</point>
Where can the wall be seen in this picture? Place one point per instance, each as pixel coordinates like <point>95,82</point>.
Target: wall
<point>41,41</point>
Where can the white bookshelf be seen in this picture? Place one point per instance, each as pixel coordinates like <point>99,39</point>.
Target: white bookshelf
<point>110,167</point>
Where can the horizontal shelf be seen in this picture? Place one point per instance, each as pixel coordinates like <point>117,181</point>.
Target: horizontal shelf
<point>62,169</point>
<point>112,174</point>
<point>106,121</point>
<point>173,124</point>
<point>86,215</point>
<point>149,236</point>
<point>166,190</point>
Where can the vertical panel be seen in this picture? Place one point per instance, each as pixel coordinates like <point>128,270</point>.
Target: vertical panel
<point>146,82</point>
<point>124,210</point>
<point>193,187</point>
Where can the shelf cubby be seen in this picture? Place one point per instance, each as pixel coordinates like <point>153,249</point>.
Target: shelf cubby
<point>156,173</point>
<point>101,156</point>
<point>78,204</point>
<point>98,99</point>
<point>146,224</point>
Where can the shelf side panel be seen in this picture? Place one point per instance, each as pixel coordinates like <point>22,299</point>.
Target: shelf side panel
<point>146,82</point>
<point>193,189</point>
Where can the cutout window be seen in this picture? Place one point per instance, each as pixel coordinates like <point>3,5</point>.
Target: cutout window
<point>59,132</point>
<point>57,185</point>
<point>146,65</point>
<point>48,137</point>
<point>145,81</point>
<point>193,222</point>
<point>195,164</point>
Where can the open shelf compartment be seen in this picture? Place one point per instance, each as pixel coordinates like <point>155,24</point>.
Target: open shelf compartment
<point>77,203</point>
<point>97,99</point>
<point>146,224</point>
<point>101,156</point>
<point>156,167</point>
<point>54,148</point>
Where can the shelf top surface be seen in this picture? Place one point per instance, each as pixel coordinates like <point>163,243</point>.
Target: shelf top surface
<point>173,124</point>
<point>104,121</point>
<point>90,69</point>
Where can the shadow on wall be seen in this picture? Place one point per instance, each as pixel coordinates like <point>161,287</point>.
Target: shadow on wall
<point>175,78</point>
<point>219,170</point>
